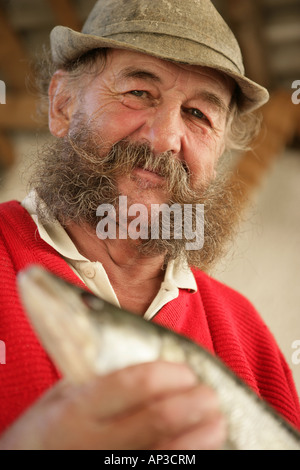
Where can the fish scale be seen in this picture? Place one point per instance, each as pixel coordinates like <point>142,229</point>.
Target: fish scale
<point>87,336</point>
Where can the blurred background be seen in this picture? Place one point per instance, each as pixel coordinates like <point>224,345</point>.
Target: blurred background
<point>264,263</point>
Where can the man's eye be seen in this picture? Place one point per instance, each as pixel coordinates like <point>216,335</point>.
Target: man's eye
<point>138,93</point>
<point>198,114</point>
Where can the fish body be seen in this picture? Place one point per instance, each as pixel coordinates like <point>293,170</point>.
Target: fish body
<point>87,336</point>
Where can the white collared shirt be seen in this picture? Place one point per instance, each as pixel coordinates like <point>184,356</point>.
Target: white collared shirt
<point>93,275</point>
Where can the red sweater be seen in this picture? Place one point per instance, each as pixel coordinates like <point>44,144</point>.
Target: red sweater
<point>216,317</point>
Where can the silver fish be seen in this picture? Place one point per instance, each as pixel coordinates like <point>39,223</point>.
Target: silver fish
<point>85,336</point>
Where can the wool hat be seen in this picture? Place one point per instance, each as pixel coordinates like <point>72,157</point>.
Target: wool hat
<point>189,32</point>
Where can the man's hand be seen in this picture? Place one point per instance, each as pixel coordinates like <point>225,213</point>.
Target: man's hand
<point>149,406</point>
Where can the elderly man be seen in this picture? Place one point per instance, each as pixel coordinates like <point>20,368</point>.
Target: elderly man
<point>143,103</point>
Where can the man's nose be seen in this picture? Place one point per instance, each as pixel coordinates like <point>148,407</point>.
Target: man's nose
<point>164,130</point>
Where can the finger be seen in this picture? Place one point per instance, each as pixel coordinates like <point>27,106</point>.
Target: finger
<point>163,420</point>
<point>209,435</point>
<point>129,388</point>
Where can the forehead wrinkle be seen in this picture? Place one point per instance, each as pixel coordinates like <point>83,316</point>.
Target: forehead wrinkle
<point>138,72</point>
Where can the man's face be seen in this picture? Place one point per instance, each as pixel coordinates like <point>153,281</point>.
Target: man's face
<point>146,129</point>
<point>175,108</point>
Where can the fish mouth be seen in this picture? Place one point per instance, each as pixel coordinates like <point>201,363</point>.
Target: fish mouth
<point>81,326</point>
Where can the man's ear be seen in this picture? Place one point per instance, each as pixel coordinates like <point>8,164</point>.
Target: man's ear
<point>61,104</point>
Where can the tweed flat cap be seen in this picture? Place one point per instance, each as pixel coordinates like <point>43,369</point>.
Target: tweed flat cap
<point>190,32</point>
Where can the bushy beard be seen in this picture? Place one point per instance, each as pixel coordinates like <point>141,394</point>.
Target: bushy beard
<point>72,180</point>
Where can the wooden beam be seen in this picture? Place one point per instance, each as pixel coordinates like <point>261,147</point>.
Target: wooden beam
<point>244,17</point>
<point>7,151</point>
<point>14,62</point>
<point>65,14</point>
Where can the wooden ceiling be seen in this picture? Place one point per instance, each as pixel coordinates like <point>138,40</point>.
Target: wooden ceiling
<point>269,35</point>
<point>268,32</point>
<point>24,30</point>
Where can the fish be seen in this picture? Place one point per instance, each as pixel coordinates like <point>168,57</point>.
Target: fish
<point>86,336</point>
